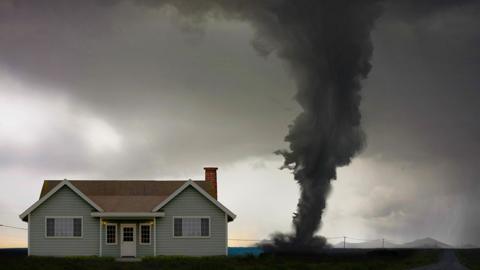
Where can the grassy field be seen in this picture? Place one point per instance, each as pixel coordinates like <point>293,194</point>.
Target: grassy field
<point>381,260</point>
<point>470,258</point>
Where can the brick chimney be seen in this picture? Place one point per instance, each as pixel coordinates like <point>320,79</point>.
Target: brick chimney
<point>211,178</point>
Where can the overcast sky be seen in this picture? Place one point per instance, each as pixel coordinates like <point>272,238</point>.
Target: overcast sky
<point>127,91</point>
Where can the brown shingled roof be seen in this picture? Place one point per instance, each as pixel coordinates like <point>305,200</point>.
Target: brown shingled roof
<point>125,195</point>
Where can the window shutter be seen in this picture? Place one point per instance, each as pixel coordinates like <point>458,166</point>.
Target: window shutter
<point>177,227</point>
<point>50,227</point>
<point>77,227</point>
<point>205,227</point>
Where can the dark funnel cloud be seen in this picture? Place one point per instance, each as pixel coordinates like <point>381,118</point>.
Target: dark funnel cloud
<point>328,48</point>
<point>329,59</point>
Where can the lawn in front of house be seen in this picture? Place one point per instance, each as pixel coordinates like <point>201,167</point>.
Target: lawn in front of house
<point>373,260</point>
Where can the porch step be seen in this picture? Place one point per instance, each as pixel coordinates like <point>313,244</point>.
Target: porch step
<point>128,259</point>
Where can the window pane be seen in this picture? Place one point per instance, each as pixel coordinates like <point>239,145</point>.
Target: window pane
<point>191,227</point>
<point>145,234</point>
<point>205,227</point>
<point>50,227</point>
<point>177,227</point>
<point>77,227</point>
<point>63,227</point>
<point>128,234</point>
<point>111,234</point>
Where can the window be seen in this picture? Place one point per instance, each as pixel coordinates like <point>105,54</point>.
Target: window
<point>191,226</point>
<point>128,234</point>
<point>63,227</point>
<point>111,234</point>
<point>145,233</point>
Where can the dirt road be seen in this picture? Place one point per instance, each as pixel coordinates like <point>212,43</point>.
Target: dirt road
<point>448,261</point>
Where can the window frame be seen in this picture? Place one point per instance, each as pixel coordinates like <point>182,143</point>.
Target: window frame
<point>106,234</point>
<point>140,242</point>
<point>200,217</point>
<point>64,237</point>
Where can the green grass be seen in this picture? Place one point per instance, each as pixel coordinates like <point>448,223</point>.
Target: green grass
<point>383,260</point>
<point>470,258</point>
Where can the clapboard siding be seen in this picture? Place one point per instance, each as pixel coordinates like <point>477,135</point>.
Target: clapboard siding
<point>191,203</point>
<point>64,203</point>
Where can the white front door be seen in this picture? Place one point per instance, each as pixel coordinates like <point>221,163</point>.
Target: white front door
<point>128,243</point>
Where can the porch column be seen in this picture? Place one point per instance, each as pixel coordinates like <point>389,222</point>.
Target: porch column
<point>154,236</point>
<point>100,237</point>
<point>28,234</point>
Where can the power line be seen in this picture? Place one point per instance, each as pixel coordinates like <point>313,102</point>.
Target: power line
<point>326,237</point>
<point>362,239</point>
<point>257,240</point>
<point>13,227</point>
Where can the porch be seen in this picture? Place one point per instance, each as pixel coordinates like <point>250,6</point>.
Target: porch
<point>127,235</point>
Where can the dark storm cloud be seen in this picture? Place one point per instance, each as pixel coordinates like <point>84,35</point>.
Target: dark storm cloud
<point>181,89</point>
<point>137,69</point>
<point>434,91</point>
<point>421,106</point>
<point>411,10</point>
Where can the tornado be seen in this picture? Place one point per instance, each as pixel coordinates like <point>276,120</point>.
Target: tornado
<point>327,46</point>
<point>329,58</point>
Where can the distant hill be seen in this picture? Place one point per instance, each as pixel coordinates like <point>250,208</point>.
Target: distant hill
<point>419,243</point>
<point>426,243</point>
<point>468,246</point>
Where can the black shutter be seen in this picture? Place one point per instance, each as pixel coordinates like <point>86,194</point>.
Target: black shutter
<point>177,227</point>
<point>50,227</point>
<point>205,227</point>
<point>77,227</point>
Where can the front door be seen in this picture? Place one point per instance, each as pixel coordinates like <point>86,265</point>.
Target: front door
<point>128,244</point>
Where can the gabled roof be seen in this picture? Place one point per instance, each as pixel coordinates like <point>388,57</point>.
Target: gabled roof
<point>189,183</point>
<point>53,191</point>
<point>126,196</point>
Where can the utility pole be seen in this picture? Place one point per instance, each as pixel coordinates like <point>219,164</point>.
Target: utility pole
<point>383,242</point>
<point>344,239</point>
